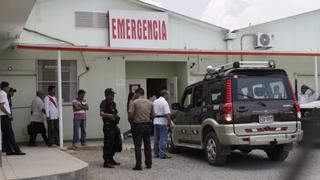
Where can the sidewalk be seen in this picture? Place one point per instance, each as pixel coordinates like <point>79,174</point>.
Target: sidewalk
<point>43,163</point>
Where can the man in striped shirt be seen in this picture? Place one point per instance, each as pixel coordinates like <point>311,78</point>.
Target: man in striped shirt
<point>80,107</point>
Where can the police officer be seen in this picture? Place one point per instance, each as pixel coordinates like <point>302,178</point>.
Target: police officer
<point>109,114</point>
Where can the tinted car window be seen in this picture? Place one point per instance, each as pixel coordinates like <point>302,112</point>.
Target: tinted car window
<point>187,101</point>
<point>262,88</point>
<point>199,97</point>
<point>215,92</point>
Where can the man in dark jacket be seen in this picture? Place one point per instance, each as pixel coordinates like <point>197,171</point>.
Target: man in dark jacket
<point>109,115</point>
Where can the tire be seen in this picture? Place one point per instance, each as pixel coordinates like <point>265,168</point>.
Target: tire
<point>214,150</point>
<point>278,153</point>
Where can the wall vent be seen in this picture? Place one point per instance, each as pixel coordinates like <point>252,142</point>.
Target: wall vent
<point>85,19</point>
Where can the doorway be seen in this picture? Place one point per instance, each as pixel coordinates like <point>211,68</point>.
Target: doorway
<point>154,86</point>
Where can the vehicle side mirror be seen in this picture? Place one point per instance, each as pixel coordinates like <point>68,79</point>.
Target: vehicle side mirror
<point>176,106</point>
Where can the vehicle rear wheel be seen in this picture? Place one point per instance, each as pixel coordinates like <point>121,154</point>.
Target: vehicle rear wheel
<point>278,153</point>
<point>214,150</point>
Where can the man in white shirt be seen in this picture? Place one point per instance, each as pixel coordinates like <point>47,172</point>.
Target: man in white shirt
<point>162,120</point>
<point>38,116</point>
<point>51,106</point>
<point>306,93</point>
<point>9,142</point>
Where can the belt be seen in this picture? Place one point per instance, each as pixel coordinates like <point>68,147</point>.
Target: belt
<point>143,123</point>
<point>160,116</point>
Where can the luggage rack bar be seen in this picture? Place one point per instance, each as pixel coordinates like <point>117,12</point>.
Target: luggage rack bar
<point>238,64</point>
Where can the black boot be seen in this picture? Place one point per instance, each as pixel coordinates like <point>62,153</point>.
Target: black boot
<point>107,165</point>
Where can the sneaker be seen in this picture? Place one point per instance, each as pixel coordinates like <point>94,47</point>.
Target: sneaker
<point>84,144</point>
<point>75,146</point>
<point>19,153</point>
<point>165,157</point>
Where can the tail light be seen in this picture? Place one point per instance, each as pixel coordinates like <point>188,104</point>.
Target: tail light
<point>295,103</point>
<point>297,108</point>
<point>227,108</point>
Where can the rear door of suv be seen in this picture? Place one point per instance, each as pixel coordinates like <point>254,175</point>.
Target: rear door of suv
<point>183,117</point>
<point>263,103</point>
<point>199,112</point>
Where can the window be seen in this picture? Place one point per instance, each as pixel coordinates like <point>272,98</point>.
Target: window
<point>262,88</point>
<point>215,96</point>
<point>187,103</point>
<point>199,98</point>
<point>47,75</point>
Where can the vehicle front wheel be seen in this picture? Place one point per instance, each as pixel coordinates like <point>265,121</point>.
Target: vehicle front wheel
<point>214,150</point>
<point>278,153</point>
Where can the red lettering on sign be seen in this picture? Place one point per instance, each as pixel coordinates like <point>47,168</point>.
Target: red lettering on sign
<point>127,28</point>
<point>155,27</point>
<point>144,25</point>
<point>133,29</point>
<point>150,31</point>
<point>121,29</point>
<point>113,24</point>
<point>139,27</point>
<point>159,28</point>
<point>164,31</point>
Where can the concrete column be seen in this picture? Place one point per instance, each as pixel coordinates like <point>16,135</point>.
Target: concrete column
<point>60,99</point>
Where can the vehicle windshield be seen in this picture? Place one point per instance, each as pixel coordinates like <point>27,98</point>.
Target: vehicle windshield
<point>271,87</point>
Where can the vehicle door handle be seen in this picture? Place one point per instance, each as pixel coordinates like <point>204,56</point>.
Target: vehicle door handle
<point>242,109</point>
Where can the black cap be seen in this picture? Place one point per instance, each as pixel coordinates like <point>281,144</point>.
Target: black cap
<point>81,91</point>
<point>12,90</point>
<point>109,91</point>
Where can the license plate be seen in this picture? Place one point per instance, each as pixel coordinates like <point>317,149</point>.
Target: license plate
<point>265,119</point>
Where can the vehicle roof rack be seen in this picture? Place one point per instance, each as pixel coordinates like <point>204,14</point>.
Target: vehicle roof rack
<point>211,72</point>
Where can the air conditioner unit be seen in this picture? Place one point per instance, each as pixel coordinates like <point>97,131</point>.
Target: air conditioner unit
<point>264,40</point>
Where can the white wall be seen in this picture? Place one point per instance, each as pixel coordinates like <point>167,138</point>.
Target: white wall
<point>56,18</point>
<point>297,33</point>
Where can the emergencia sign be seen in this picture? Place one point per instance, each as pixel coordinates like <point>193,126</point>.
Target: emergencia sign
<point>138,29</point>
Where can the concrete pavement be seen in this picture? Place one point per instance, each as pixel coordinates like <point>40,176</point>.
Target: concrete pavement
<point>43,163</point>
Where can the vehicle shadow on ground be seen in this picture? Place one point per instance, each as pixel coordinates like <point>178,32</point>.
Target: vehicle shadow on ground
<point>236,160</point>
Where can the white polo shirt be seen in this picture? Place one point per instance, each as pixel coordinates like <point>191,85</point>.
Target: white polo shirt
<point>4,99</point>
<point>161,108</point>
<point>36,108</point>
<point>52,111</point>
<point>304,98</point>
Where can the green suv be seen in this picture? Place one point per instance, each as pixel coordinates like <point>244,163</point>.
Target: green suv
<point>240,105</point>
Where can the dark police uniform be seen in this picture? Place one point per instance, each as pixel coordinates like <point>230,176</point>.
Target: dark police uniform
<point>110,131</point>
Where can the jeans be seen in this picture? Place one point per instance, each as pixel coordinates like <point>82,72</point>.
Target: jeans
<point>160,139</point>
<point>142,132</point>
<point>53,131</point>
<point>76,125</point>
<point>129,131</point>
<point>9,141</point>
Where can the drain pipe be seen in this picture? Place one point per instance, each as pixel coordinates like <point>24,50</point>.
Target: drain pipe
<point>241,42</point>
<point>67,42</point>
<point>85,72</point>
